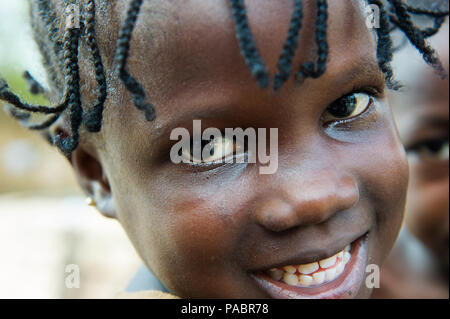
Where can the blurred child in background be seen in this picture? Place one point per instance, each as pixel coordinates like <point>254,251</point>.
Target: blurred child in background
<point>418,265</point>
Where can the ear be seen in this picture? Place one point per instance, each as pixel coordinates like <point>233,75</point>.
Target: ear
<point>92,179</point>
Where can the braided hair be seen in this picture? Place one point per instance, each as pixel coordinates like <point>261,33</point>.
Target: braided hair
<point>60,57</point>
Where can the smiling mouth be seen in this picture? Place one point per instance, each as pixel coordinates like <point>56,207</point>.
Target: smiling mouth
<point>337,276</point>
<point>315,273</point>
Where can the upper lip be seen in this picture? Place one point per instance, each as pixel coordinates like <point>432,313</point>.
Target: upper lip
<point>310,253</point>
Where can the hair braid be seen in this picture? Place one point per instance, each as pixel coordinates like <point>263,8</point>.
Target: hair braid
<point>123,47</point>
<point>438,22</point>
<point>290,47</point>
<point>43,125</point>
<point>417,38</point>
<point>60,57</point>
<point>309,69</point>
<point>54,70</point>
<point>434,14</point>
<point>69,143</point>
<point>13,99</point>
<point>385,47</point>
<point>93,119</point>
<point>50,20</point>
<point>247,44</point>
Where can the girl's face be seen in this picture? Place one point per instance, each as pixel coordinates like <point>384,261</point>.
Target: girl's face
<point>217,231</point>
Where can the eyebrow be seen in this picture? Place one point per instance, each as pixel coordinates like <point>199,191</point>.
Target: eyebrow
<point>364,72</point>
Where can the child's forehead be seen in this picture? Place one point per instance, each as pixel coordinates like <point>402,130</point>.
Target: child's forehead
<point>177,41</point>
<point>191,66</point>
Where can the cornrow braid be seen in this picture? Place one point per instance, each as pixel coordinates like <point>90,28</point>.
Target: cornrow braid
<point>384,46</point>
<point>51,22</point>
<point>48,60</point>
<point>419,11</point>
<point>60,57</point>
<point>24,108</point>
<point>49,18</point>
<point>71,36</point>
<point>93,119</point>
<point>14,100</point>
<point>438,22</point>
<point>402,19</point>
<point>43,125</point>
<point>290,47</point>
<point>67,144</point>
<point>123,47</point>
<point>25,117</point>
<point>247,44</point>
<point>309,69</point>
<point>437,16</point>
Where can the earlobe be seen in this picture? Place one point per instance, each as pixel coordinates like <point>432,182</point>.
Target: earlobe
<point>92,179</point>
<point>104,201</point>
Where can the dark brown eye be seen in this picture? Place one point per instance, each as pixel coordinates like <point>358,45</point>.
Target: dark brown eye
<point>347,107</point>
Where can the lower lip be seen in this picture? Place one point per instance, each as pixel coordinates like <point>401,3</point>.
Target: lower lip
<point>346,286</point>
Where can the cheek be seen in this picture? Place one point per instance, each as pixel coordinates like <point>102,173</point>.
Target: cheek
<point>196,239</point>
<point>388,182</point>
<point>186,242</point>
<point>199,231</point>
<point>373,151</point>
<point>382,169</point>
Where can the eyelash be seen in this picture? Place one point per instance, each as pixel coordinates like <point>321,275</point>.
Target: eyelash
<point>371,91</point>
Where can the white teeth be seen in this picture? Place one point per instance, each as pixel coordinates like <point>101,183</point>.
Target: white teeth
<point>290,279</point>
<point>290,269</point>
<point>276,274</point>
<point>347,257</point>
<point>305,280</point>
<point>319,277</point>
<point>308,268</point>
<point>328,262</point>
<point>330,274</point>
<point>315,273</point>
<point>340,268</point>
<point>348,247</point>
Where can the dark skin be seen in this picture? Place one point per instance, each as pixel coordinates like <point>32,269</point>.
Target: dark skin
<point>422,114</point>
<point>204,232</point>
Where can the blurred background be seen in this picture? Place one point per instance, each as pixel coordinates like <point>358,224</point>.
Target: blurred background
<point>45,223</point>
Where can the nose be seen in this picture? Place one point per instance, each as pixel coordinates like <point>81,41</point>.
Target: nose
<point>308,202</point>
